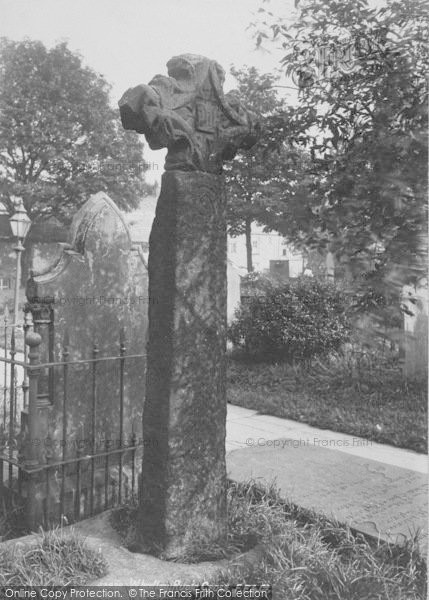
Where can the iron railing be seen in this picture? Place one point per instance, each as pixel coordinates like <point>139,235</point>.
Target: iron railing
<point>74,483</point>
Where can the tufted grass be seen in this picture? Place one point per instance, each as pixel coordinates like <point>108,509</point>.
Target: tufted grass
<point>302,555</point>
<point>55,558</point>
<point>308,557</point>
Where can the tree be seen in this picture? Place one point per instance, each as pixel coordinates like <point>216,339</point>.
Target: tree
<point>259,180</point>
<point>362,116</point>
<point>60,140</point>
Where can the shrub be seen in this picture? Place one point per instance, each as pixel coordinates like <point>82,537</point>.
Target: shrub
<point>296,321</point>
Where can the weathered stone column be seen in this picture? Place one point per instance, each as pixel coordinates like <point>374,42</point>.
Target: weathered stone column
<point>184,475</point>
<point>183,492</point>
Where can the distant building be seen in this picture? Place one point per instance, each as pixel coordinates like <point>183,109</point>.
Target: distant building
<point>270,252</point>
<point>234,276</point>
<point>139,222</point>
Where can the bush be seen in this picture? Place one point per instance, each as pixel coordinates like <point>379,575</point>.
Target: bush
<point>296,321</point>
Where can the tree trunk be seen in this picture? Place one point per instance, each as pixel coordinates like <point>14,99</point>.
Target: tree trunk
<point>248,233</point>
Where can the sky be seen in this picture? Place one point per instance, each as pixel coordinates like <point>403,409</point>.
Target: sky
<point>129,41</point>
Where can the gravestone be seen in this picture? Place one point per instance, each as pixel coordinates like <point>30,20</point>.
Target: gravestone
<point>184,477</point>
<point>384,501</point>
<point>415,302</point>
<point>88,302</point>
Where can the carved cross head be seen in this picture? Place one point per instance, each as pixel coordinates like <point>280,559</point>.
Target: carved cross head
<point>188,113</point>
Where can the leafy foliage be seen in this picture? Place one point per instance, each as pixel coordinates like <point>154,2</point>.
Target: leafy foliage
<point>362,116</point>
<point>260,179</point>
<point>60,140</point>
<point>299,320</point>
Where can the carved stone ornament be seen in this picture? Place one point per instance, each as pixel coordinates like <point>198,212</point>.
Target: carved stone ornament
<point>188,113</point>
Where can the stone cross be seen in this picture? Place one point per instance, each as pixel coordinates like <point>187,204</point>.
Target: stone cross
<point>183,491</point>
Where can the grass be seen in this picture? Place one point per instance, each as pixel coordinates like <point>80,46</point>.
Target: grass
<point>56,558</point>
<point>123,519</point>
<point>308,557</point>
<point>304,556</point>
<point>360,394</point>
<point>11,520</point>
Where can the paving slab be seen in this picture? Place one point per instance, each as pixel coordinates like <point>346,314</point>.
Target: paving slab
<point>385,501</point>
<point>248,428</point>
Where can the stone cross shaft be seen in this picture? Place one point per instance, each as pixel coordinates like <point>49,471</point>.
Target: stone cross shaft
<point>183,487</point>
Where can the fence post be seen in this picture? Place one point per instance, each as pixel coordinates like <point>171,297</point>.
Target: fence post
<point>95,352</point>
<point>66,355</point>
<point>6,321</point>
<point>122,350</point>
<point>28,325</point>
<point>32,452</point>
<point>42,316</point>
<point>12,402</point>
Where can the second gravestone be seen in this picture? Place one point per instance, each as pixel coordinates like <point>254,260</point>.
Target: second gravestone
<point>90,303</point>
<point>183,496</point>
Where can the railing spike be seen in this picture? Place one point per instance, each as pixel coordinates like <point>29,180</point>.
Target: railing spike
<point>66,341</point>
